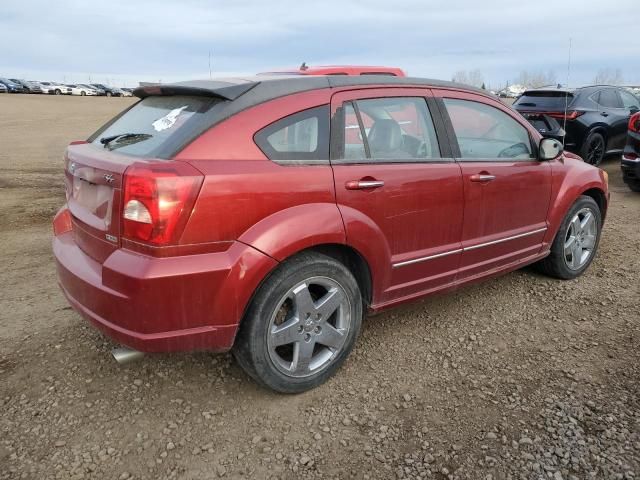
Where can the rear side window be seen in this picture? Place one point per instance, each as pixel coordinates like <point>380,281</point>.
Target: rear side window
<point>629,100</point>
<point>389,129</point>
<point>485,132</point>
<point>153,123</point>
<point>303,136</point>
<point>608,98</point>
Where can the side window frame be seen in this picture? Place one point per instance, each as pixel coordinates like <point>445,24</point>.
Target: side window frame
<point>318,157</point>
<point>453,139</point>
<point>338,129</point>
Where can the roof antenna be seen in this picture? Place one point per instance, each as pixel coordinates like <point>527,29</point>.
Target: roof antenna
<point>210,75</point>
<point>303,67</point>
<point>566,97</point>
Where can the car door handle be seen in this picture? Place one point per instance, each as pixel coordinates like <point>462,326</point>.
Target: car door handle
<point>482,177</point>
<point>604,114</point>
<point>363,184</point>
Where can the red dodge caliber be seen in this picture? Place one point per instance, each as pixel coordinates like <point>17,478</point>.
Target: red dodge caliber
<point>268,215</point>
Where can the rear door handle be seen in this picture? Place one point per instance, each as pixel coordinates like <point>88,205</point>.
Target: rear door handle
<point>482,177</point>
<point>363,184</point>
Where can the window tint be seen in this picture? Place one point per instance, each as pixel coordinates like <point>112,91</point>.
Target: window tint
<point>395,128</point>
<point>158,120</point>
<point>609,98</point>
<point>483,131</point>
<point>301,136</point>
<point>629,100</point>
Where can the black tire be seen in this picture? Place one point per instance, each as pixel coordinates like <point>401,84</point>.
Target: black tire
<point>57,92</point>
<point>593,148</point>
<point>82,93</point>
<point>634,185</point>
<point>251,348</point>
<point>108,94</point>
<point>555,265</point>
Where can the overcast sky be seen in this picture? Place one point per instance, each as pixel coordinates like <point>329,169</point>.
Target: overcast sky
<point>125,41</point>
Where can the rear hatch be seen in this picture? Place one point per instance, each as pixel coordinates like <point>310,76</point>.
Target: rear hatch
<point>547,110</point>
<point>95,170</point>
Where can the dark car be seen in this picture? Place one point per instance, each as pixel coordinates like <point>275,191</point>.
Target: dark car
<point>268,215</point>
<point>630,163</point>
<point>108,91</point>
<point>595,118</point>
<point>12,87</point>
<point>29,87</point>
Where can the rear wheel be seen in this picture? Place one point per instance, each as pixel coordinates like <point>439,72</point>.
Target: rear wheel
<point>634,185</point>
<point>82,93</point>
<point>108,94</point>
<point>57,92</point>
<point>594,148</point>
<point>576,242</point>
<point>301,325</point>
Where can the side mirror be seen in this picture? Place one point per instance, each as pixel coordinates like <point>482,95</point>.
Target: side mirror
<point>549,149</point>
<point>633,110</point>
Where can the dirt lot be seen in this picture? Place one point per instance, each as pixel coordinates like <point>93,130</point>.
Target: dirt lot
<point>521,377</point>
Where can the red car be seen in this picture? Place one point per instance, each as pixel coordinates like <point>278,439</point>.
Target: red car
<point>340,70</point>
<point>267,216</point>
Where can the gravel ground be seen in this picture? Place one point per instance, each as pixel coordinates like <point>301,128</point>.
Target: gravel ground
<point>522,377</point>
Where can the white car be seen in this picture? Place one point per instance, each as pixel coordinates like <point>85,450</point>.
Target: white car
<point>82,90</point>
<point>55,88</point>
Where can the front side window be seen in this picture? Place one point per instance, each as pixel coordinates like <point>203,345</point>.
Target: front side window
<point>485,132</point>
<point>389,129</point>
<point>629,100</point>
<point>303,136</point>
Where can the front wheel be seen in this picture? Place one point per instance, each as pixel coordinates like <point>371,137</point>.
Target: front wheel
<point>576,242</point>
<point>301,325</point>
<point>82,93</point>
<point>57,92</point>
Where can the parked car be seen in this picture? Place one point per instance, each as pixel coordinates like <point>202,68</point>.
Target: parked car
<point>29,87</point>
<point>12,87</point>
<point>3,88</point>
<point>217,215</point>
<point>77,89</point>
<point>127,92</point>
<point>630,163</point>
<point>98,91</point>
<point>108,91</point>
<point>596,117</point>
<point>55,88</point>
<point>339,70</point>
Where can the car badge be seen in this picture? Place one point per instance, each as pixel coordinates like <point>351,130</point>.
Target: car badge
<point>108,177</point>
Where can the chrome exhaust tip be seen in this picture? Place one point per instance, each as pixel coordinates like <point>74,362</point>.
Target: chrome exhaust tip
<point>124,355</point>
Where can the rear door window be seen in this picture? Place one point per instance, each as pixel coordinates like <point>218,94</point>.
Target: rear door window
<point>303,136</point>
<point>609,98</point>
<point>153,123</point>
<point>485,132</point>
<point>629,100</point>
<point>389,129</point>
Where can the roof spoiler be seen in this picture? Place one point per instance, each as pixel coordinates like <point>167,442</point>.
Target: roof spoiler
<point>223,90</point>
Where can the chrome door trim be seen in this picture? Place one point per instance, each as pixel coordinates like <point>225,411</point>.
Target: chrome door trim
<point>506,239</point>
<point>424,259</point>
<point>464,249</point>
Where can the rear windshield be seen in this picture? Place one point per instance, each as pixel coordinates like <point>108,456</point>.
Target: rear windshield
<point>153,123</point>
<point>545,100</point>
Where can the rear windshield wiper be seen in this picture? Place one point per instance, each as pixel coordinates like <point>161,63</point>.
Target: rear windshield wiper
<point>123,139</point>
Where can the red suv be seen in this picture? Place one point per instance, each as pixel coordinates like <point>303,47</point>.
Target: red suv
<point>267,216</point>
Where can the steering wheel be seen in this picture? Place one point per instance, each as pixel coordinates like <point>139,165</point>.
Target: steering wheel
<point>514,150</point>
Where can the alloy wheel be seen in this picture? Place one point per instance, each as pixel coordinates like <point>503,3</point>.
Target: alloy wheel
<point>309,327</point>
<point>580,240</point>
<point>595,152</point>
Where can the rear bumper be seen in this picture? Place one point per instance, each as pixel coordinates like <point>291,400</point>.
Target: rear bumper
<point>153,304</point>
<point>630,169</point>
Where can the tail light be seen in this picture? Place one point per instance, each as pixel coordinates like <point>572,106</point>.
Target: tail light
<point>634,123</point>
<point>158,200</point>
<point>570,115</point>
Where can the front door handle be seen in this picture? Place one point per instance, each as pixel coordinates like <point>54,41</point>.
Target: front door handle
<point>363,184</point>
<point>604,114</point>
<point>482,177</point>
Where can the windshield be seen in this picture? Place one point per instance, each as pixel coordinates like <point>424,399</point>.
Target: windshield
<point>153,122</point>
<point>545,100</point>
